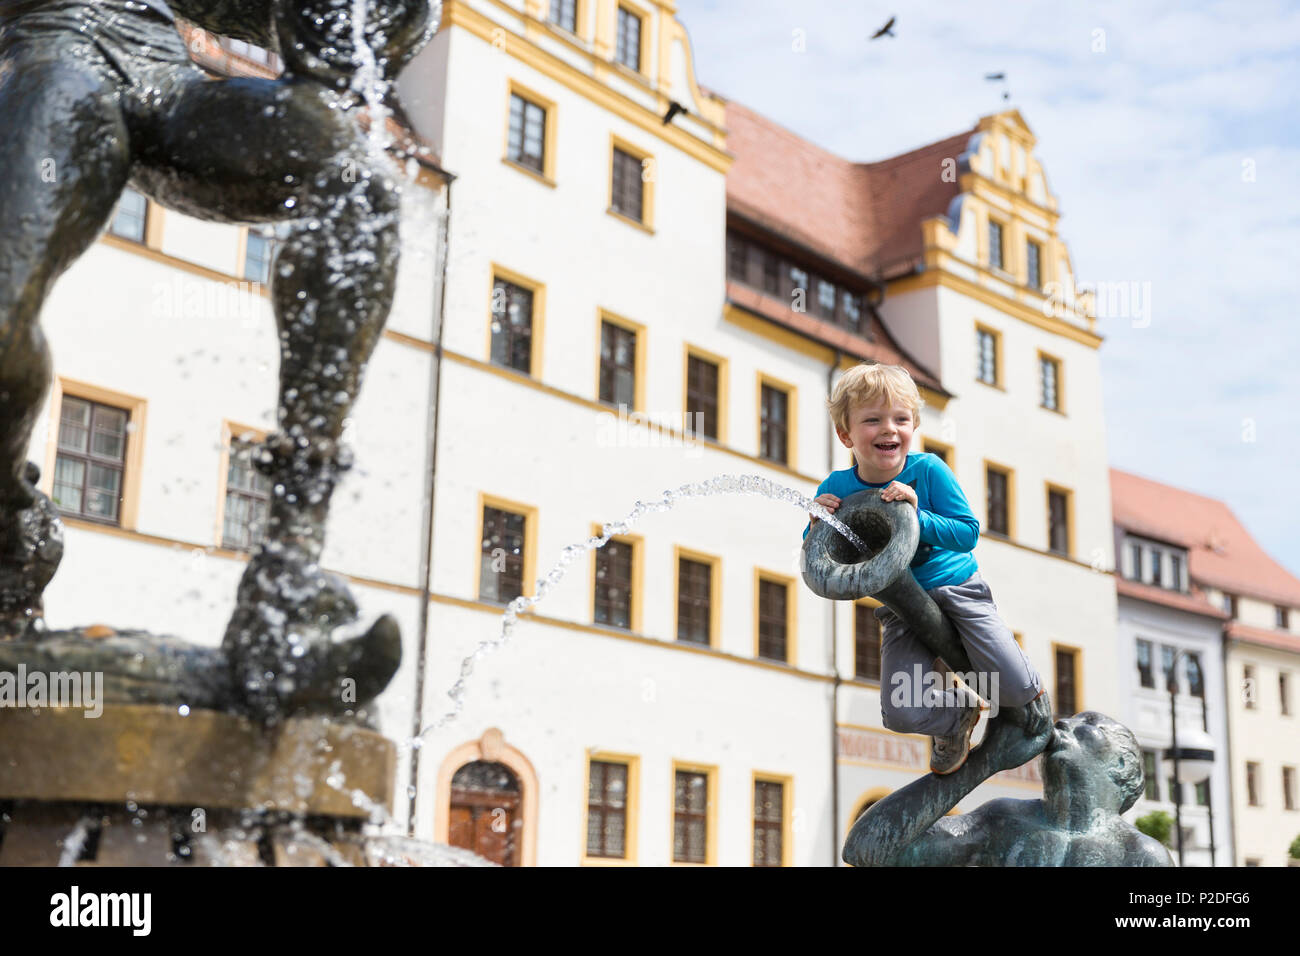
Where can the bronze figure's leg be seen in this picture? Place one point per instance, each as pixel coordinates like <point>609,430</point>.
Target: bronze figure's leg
<point>279,149</point>
<point>65,160</point>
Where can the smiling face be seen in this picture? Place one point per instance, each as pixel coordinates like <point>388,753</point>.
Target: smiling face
<point>880,436</point>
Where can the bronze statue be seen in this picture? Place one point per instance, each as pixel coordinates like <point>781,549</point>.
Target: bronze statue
<point>1092,765</point>
<point>98,95</point>
<point>1092,773</point>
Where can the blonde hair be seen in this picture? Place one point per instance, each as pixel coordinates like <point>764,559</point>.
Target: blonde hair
<point>868,384</point>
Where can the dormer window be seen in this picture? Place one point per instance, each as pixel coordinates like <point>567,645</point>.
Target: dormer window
<point>1156,564</point>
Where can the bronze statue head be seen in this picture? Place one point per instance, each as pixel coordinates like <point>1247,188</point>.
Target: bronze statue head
<point>1090,746</point>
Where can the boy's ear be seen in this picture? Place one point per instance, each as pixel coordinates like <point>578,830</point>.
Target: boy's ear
<point>844,438</point>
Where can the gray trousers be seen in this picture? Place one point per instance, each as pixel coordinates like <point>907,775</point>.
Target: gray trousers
<point>1004,675</point>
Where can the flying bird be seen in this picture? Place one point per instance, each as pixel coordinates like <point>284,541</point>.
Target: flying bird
<point>886,31</point>
<point>999,78</point>
<point>673,109</point>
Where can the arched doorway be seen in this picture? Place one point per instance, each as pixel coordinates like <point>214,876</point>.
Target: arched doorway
<point>486,811</point>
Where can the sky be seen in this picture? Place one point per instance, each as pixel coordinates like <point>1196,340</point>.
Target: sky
<point>1170,135</point>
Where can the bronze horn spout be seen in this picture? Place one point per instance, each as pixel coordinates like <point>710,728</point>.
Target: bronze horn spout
<point>835,569</point>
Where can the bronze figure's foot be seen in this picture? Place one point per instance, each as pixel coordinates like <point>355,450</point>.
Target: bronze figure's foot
<point>281,647</point>
<point>31,546</point>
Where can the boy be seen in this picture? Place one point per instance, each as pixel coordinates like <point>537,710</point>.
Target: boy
<point>876,408</point>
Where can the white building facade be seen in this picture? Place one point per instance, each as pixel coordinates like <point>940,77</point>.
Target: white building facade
<point>679,697</point>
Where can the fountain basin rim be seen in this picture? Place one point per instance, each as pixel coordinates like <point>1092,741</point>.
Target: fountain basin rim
<point>152,755</point>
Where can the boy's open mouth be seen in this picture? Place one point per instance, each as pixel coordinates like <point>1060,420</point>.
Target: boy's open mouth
<point>888,446</point>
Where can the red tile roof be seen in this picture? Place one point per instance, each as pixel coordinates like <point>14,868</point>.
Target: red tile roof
<point>1220,551</point>
<point>866,216</point>
<point>1196,602</point>
<point>1259,635</point>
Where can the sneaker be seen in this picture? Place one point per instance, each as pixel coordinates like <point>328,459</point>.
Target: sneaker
<point>947,754</point>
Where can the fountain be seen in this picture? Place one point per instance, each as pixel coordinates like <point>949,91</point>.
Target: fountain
<point>262,750</point>
<point>1092,765</point>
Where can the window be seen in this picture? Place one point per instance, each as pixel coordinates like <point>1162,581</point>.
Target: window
<point>1145,677</point>
<point>997,484</point>
<point>995,244</point>
<point>628,51</point>
<point>866,643</point>
<point>760,268</point>
<point>771,272</point>
<point>526,142</point>
<point>1203,793</point>
<point>1284,693</point>
<point>1155,566</point>
<point>737,258</point>
<point>702,395</point>
<point>774,619</point>
<point>501,566</point>
<point>1150,781</point>
<point>1176,572</point>
<point>90,461</point>
<point>248,499</point>
<point>1058,521</point>
<point>1288,787</point>
<point>259,251</point>
<point>851,306</point>
<point>630,185</point>
<point>825,302</point>
<point>131,217</point>
<point>1049,377</point>
<point>1195,678</point>
<point>1067,682</point>
<point>1230,605</point>
<point>1135,559</point>
<point>939,450</point>
<point>1033,260</point>
<point>1248,693</point>
<point>512,325</point>
<point>798,288</point>
<point>774,424</point>
<point>1252,784</point>
<point>1282,617</point>
<point>769,820</point>
<point>691,805</point>
<point>613,596</point>
<point>564,14</point>
<point>618,365</point>
<point>986,356</point>
<point>1167,655</point>
<point>607,804</point>
<point>694,601</point>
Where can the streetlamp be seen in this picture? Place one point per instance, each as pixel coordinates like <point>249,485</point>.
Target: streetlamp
<point>1194,761</point>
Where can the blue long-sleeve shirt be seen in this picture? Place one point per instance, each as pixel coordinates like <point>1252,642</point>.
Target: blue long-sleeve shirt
<point>949,530</point>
